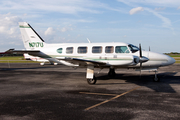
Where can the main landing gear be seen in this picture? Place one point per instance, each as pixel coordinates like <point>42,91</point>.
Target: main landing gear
<point>111,72</point>
<point>91,79</point>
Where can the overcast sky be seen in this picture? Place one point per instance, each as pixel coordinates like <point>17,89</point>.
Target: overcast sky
<point>154,23</point>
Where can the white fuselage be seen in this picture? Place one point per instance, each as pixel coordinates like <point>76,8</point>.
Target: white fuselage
<point>103,52</point>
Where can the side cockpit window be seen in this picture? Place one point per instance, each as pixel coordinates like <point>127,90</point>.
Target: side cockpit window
<point>121,49</point>
<point>59,50</point>
<point>133,48</point>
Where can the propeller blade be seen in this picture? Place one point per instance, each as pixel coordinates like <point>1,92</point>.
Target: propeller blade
<point>140,51</point>
<point>140,55</point>
<point>149,51</point>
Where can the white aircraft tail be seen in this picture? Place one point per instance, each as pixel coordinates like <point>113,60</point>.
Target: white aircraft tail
<point>31,39</point>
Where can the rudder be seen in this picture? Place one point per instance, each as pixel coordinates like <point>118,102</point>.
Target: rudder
<point>30,37</point>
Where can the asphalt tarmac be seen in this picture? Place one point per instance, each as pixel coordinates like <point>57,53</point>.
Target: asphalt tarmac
<point>34,92</point>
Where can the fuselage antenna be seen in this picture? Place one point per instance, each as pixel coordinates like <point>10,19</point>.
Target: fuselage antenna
<point>88,40</point>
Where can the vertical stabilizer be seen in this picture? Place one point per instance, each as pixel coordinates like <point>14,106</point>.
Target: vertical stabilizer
<point>30,37</point>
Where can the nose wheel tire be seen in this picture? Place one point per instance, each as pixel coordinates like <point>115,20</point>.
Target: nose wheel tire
<point>156,79</point>
<point>91,81</point>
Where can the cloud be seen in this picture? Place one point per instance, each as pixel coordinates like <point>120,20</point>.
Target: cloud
<point>125,36</point>
<point>64,29</point>
<point>165,3</point>
<point>61,6</point>
<point>178,8</point>
<point>136,10</point>
<point>9,31</point>
<point>9,24</point>
<point>162,3</point>
<point>49,31</point>
<point>85,21</point>
<point>159,8</point>
<point>166,21</point>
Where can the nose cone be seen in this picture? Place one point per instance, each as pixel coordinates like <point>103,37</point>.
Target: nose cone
<point>157,59</point>
<point>170,60</point>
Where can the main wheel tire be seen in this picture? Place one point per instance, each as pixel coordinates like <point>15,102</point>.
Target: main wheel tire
<point>112,75</point>
<point>156,79</point>
<point>91,81</point>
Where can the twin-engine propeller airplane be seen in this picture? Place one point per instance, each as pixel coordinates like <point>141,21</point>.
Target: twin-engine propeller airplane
<point>92,55</point>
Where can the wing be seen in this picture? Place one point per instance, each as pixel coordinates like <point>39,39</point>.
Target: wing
<point>83,61</point>
<point>73,61</point>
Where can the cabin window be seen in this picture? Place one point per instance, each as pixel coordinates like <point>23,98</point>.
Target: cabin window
<point>69,50</point>
<point>82,50</point>
<point>59,50</point>
<point>109,49</point>
<point>121,49</point>
<point>97,49</point>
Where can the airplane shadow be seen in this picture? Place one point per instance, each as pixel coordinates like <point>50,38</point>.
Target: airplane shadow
<point>166,79</point>
<point>13,67</point>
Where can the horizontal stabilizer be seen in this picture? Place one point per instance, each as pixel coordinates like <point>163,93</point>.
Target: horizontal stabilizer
<point>21,51</point>
<point>30,52</point>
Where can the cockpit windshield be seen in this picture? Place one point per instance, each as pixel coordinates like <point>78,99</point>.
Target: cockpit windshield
<point>133,48</point>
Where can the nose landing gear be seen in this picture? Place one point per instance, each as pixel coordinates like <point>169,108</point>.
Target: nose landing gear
<point>156,78</point>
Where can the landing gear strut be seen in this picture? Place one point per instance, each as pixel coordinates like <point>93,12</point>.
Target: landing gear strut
<point>156,78</point>
<point>91,79</point>
<point>111,72</point>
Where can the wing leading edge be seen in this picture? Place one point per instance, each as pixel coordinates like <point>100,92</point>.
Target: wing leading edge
<point>82,61</point>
